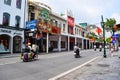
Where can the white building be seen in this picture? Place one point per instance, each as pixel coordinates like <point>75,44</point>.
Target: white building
<point>12,18</point>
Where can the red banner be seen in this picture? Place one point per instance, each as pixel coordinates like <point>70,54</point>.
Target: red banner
<point>70,21</point>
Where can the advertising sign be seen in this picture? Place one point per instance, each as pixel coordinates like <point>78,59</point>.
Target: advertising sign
<point>31,24</point>
<point>70,21</point>
<point>115,35</point>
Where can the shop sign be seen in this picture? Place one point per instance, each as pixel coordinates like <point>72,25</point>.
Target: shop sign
<point>70,21</point>
<point>31,24</point>
<point>55,30</point>
<point>18,33</point>
<point>44,13</point>
<point>5,31</point>
<point>115,35</point>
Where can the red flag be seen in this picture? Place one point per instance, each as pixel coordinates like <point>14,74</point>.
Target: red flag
<point>98,30</point>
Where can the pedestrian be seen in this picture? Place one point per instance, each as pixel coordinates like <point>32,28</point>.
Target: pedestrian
<point>112,50</point>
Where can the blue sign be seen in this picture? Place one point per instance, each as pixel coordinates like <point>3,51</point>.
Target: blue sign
<point>115,35</point>
<point>31,24</point>
<point>114,41</point>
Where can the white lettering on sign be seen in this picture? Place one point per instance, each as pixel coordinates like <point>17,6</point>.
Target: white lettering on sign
<point>5,31</point>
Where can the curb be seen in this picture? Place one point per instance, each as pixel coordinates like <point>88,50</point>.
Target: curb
<point>71,70</point>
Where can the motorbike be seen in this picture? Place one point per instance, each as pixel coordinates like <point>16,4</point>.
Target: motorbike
<point>100,49</point>
<point>77,54</point>
<point>26,57</point>
<point>94,49</point>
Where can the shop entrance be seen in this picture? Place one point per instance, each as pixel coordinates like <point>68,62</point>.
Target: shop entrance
<point>17,44</point>
<point>4,43</point>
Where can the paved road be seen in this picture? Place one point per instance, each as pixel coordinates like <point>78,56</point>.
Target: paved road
<point>48,65</point>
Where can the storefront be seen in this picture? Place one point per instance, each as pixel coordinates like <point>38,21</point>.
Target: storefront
<point>11,40</point>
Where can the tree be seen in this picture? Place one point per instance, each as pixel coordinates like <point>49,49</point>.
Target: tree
<point>108,40</point>
<point>109,25</point>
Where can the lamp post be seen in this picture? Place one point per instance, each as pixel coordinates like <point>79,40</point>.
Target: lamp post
<point>102,24</point>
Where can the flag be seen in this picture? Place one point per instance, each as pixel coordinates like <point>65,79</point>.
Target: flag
<point>98,30</point>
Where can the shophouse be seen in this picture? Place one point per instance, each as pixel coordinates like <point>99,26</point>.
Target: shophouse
<point>52,32</point>
<point>58,27</point>
<point>12,18</point>
<point>38,25</point>
<point>80,37</point>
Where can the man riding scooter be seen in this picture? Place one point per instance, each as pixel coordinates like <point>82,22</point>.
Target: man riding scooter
<point>29,53</point>
<point>76,51</point>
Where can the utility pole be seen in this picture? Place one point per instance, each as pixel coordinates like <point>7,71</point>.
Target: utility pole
<point>102,24</point>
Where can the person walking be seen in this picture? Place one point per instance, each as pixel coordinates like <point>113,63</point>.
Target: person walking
<point>112,50</point>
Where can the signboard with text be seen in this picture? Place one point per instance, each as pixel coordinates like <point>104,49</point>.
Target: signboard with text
<point>31,24</point>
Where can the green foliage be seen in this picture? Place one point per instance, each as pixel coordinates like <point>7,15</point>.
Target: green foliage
<point>109,24</point>
<point>108,40</point>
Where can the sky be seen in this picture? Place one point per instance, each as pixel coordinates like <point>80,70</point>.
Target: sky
<point>88,11</point>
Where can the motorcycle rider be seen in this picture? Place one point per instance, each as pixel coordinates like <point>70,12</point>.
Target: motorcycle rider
<point>76,51</point>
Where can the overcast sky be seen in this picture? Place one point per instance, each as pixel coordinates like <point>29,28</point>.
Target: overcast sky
<point>89,11</point>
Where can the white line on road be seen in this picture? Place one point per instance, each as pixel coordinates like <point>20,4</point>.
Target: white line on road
<point>7,63</point>
<point>71,70</point>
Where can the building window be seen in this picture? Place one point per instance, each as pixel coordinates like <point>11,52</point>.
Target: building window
<point>32,16</point>
<point>63,27</point>
<point>75,31</point>
<point>54,44</point>
<point>18,3</point>
<point>17,21</point>
<point>8,2</point>
<point>6,19</point>
<point>62,44</point>
<point>60,24</point>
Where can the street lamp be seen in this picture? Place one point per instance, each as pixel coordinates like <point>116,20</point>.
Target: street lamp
<point>102,24</point>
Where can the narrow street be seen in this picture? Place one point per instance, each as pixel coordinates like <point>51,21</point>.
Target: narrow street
<point>47,66</point>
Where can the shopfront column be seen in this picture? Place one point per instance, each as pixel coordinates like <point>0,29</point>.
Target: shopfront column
<point>47,47</point>
<point>75,40</point>
<point>68,43</point>
<point>82,43</point>
<point>11,45</point>
<point>59,44</point>
<point>86,44</point>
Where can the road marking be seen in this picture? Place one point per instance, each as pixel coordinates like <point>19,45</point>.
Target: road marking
<point>7,63</point>
<point>71,70</point>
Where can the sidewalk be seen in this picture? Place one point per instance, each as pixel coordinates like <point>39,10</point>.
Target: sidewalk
<point>100,69</point>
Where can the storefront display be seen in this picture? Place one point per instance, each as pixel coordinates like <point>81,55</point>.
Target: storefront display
<point>4,46</point>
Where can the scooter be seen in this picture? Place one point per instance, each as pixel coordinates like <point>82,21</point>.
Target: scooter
<point>100,49</point>
<point>77,54</point>
<point>94,49</point>
<point>26,57</point>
